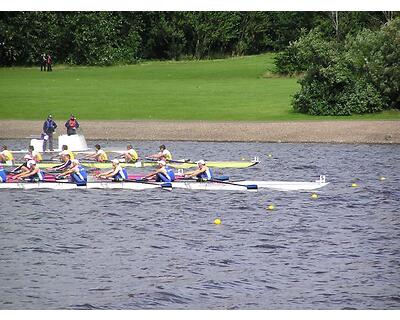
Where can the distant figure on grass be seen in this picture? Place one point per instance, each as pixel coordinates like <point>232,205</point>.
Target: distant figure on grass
<point>99,155</point>
<point>49,127</point>
<point>163,154</point>
<point>43,62</point>
<point>72,125</point>
<point>49,63</point>
<point>6,156</point>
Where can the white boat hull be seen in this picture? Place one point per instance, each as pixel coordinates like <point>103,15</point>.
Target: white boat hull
<point>189,185</point>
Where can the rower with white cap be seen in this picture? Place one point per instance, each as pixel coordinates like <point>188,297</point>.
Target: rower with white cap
<point>203,173</point>
<point>76,172</point>
<point>31,171</point>
<point>163,173</point>
<point>117,173</point>
<point>23,166</point>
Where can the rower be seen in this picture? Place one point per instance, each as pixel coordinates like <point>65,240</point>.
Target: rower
<point>35,154</point>
<point>76,173</point>
<point>99,155</point>
<point>66,159</point>
<point>203,173</point>
<point>23,167</point>
<point>131,155</point>
<point>117,173</point>
<point>3,175</point>
<point>163,173</point>
<point>33,173</point>
<point>164,154</point>
<point>64,151</point>
<point>6,156</point>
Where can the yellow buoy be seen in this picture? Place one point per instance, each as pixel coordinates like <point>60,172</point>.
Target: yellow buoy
<point>270,156</point>
<point>217,221</point>
<point>271,207</point>
<point>382,178</point>
<point>314,196</point>
<point>354,185</point>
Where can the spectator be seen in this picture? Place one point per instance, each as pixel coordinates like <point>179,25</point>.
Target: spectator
<point>49,127</point>
<point>71,125</point>
<point>49,63</point>
<point>43,62</point>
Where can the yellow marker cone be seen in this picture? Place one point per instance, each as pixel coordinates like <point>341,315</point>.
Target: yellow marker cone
<point>217,221</point>
<point>354,185</point>
<point>382,178</point>
<point>271,207</point>
<point>314,196</point>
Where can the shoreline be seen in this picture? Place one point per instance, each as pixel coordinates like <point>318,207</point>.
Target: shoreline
<point>351,132</point>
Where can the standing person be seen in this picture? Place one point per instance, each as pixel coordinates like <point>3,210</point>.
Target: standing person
<point>49,63</point>
<point>49,127</point>
<point>71,125</point>
<point>6,156</point>
<point>43,62</point>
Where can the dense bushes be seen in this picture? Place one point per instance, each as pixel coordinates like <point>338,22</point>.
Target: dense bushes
<point>359,75</point>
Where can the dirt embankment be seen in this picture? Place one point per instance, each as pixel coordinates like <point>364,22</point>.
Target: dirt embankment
<point>385,132</point>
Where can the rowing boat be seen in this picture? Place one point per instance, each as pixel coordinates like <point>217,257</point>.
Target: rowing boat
<point>241,185</point>
<point>143,164</point>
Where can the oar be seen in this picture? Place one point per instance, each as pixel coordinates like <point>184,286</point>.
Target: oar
<point>165,186</point>
<point>247,186</point>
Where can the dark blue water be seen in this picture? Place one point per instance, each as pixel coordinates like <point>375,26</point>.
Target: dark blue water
<point>99,249</point>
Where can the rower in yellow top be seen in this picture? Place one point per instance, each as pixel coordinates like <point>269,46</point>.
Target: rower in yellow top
<point>117,173</point>
<point>131,155</point>
<point>163,173</point>
<point>66,151</point>
<point>203,173</point>
<point>35,154</point>
<point>6,156</point>
<point>31,171</point>
<point>164,154</point>
<point>99,155</point>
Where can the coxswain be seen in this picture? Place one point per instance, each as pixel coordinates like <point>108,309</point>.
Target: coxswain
<point>3,175</point>
<point>117,173</point>
<point>164,154</point>
<point>203,173</point>
<point>33,172</point>
<point>131,155</point>
<point>163,173</point>
<point>99,155</point>
<point>6,156</point>
<point>65,157</point>
<point>76,172</point>
<point>35,154</point>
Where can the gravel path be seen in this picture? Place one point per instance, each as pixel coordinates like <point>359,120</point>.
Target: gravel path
<point>295,131</point>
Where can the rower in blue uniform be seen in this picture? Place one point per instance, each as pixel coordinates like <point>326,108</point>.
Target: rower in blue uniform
<point>3,175</point>
<point>203,173</point>
<point>163,173</point>
<point>117,173</point>
<point>31,171</point>
<point>76,172</point>
<point>66,158</point>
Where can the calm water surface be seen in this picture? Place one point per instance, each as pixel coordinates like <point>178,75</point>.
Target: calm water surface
<point>99,249</point>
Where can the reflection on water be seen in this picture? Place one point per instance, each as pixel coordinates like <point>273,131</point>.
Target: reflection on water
<point>120,249</point>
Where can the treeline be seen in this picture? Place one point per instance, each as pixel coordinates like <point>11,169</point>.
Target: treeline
<point>106,38</point>
<point>356,74</point>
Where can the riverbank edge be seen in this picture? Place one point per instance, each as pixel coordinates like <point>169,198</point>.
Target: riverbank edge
<point>352,132</point>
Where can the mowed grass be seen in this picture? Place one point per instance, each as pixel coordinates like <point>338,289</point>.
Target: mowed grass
<point>226,89</point>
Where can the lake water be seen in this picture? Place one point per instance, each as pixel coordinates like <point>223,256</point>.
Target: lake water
<point>99,249</point>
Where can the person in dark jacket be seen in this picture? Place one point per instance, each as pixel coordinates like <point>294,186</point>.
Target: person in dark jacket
<point>71,125</point>
<point>43,62</point>
<point>49,63</point>
<point>49,127</point>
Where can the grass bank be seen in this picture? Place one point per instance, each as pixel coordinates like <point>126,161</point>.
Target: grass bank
<point>229,89</point>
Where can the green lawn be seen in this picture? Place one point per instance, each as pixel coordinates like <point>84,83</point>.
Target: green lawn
<point>229,89</point>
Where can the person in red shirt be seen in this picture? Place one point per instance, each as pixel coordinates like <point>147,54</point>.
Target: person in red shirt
<point>71,125</point>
